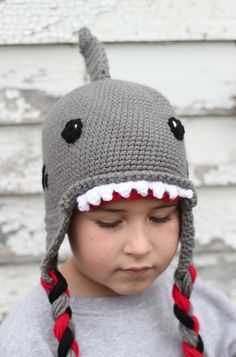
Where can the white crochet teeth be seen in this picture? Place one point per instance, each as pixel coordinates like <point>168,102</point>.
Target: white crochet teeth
<point>93,197</point>
<point>158,189</point>
<point>141,187</point>
<point>123,188</point>
<point>82,203</point>
<point>173,192</point>
<point>185,193</point>
<point>105,192</point>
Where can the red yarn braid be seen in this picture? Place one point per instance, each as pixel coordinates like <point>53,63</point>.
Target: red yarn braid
<point>62,322</point>
<point>183,304</point>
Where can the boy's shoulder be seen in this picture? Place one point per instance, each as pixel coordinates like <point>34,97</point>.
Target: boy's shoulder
<point>24,326</point>
<point>207,295</point>
<point>34,303</point>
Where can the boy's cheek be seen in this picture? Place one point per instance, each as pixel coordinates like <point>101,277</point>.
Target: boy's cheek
<point>96,257</point>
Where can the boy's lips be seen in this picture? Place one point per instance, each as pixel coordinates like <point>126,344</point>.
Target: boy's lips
<point>136,271</point>
<point>138,268</point>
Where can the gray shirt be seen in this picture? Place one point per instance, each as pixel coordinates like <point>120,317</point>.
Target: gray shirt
<point>140,325</point>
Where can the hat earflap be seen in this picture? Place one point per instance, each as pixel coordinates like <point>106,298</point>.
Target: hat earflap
<point>184,277</point>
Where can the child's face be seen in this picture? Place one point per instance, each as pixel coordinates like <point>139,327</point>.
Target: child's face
<point>134,240</point>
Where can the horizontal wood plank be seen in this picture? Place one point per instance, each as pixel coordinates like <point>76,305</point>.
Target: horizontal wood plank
<point>144,20</point>
<point>197,78</point>
<point>23,236</point>
<point>210,146</point>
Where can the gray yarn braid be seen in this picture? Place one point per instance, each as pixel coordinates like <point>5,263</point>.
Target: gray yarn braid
<point>60,306</point>
<point>182,275</point>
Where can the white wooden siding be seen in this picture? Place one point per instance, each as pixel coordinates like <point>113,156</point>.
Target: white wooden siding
<point>198,78</point>
<point>184,49</point>
<point>57,21</point>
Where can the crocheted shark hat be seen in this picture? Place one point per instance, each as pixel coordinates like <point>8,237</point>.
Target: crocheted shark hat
<point>108,140</point>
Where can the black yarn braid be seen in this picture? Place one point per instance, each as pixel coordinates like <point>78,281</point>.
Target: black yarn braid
<point>68,346</point>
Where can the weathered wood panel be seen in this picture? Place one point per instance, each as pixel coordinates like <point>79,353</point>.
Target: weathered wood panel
<point>198,78</point>
<point>22,230</point>
<point>211,150</point>
<point>210,144</point>
<point>20,159</point>
<point>215,218</point>
<point>144,20</point>
<point>33,78</point>
<point>161,39</point>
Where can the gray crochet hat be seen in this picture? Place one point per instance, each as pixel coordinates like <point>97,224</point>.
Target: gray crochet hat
<point>106,138</point>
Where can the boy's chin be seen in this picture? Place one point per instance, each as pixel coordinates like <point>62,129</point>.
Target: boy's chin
<point>131,290</point>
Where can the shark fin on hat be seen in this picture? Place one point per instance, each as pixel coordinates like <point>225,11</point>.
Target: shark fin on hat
<point>94,54</point>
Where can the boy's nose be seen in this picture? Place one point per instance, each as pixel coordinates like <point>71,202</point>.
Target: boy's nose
<point>138,243</point>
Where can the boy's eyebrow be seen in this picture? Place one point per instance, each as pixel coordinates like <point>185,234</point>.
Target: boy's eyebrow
<point>106,209</point>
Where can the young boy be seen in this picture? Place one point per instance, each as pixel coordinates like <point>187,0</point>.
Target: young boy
<point>115,178</point>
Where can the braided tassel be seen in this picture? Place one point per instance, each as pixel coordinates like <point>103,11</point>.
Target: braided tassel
<point>182,309</point>
<point>68,346</point>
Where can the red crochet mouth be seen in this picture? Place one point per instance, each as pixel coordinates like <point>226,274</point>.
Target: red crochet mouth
<point>135,195</point>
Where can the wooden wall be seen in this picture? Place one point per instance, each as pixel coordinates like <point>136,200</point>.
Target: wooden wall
<point>184,49</point>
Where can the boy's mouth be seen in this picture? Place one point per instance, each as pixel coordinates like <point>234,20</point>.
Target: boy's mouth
<point>136,271</point>
<point>138,268</point>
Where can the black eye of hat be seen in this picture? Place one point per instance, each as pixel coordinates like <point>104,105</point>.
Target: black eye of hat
<point>72,130</point>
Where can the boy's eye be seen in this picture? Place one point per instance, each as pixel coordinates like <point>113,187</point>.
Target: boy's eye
<point>116,223</point>
<point>108,224</point>
<point>161,219</point>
